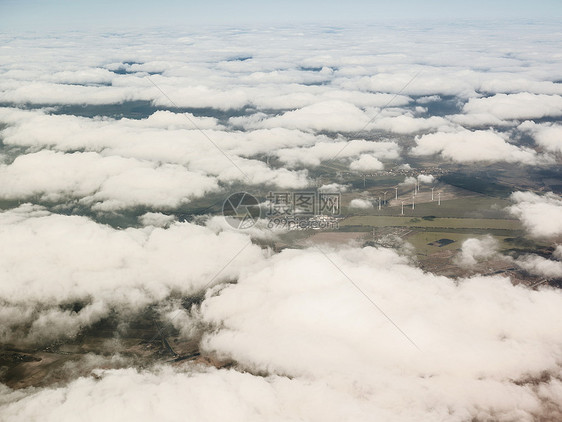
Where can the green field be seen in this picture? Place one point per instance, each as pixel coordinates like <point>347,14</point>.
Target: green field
<point>471,207</point>
<point>421,240</point>
<point>439,222</point>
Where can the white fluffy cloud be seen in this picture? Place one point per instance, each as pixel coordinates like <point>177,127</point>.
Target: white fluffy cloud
<point>473,146</point>
<point>426,178</point>
<point>329,115</point>
<point>538,265</point>
<point>540,214</point>
<point>409,124</point>
<point>163,137</point>
<point>366,163</point>
<point>207,395</point>
<point>360,203</point>
<point>558,252</point>
<point>298,315</point>
<point>329,354</point>
<point>548,136</point>
<point>322,151</point>
<point>156,219</point>
<point>473,250</point>
<point>107,183</point>
<point>409,181</point>
<point>523,105</point>
<point>76,259</point>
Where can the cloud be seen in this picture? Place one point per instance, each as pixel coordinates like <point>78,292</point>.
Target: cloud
<point>164,393</point>
<point>538,265</point>
<point>298,97</point>
<point>77,260</point>
<point>328,115</point>
<point>333,187</point>
<point>322,151</point>
<point>161,138</point>
<point>299,316</point>
<point>207,394</point>
<point>67,132</point>
<point>546,135</point>
<point>51,93</point>
<point>428,99</point>
<point>156,219</point>
<point>426,178</point>
<point>523,105</point>
<point>509,83</point>
<point>434,81</point>
<point>297,321</point>
<point>558,252</point>
<point>360,203</point>
<point>479,120</point>
<point>107,183</point>
<point>473,146</point>
<point>409,181</point>
<point>473,250</point>
<point>409,124</point>
<point>366,163</point>
<point>540,214</point>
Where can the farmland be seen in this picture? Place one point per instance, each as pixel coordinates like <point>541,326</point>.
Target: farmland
<point>431,222</point>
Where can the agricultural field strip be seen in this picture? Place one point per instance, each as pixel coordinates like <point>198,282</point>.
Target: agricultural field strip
<point>440,222</point>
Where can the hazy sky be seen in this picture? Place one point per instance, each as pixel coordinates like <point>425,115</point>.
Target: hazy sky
<point>66,14</point>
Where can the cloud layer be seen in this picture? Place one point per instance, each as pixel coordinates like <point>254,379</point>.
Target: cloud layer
<point>147,122</point>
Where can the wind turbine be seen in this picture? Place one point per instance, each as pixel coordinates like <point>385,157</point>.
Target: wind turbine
<point>413,202</point>
<point>432,194</point>
<point>402,213</point>
<point>439,198</point>
<point>379,203</point>
<point>396,192</point>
